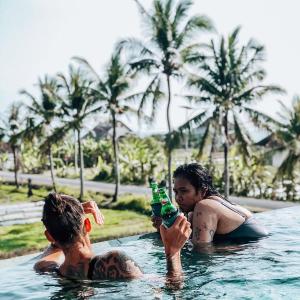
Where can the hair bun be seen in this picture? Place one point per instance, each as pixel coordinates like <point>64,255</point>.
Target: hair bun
<point>55,201</point>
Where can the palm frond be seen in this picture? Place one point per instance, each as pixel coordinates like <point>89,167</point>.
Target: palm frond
<point>198,121</point>
<point>261,119</point>
<point>194,25</point>
<point>87,65</point>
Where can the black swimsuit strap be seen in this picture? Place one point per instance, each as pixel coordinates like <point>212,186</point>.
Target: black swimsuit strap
<point>230,207</point>
<point>91,268</point>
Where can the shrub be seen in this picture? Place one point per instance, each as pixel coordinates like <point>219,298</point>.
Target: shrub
<point>137,203</point>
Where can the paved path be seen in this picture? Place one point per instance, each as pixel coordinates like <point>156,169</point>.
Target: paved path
<point>89,185</point>
<point>12,214</point>
<point>21,213</point>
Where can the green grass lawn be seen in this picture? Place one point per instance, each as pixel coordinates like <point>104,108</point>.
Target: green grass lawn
<point>9,194</point>
<point>130,215</point>
<point>21,239</point>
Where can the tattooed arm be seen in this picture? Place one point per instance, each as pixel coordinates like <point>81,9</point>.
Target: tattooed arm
<point>205,223</point>
<point>115,265</point>
<point>118,265</point>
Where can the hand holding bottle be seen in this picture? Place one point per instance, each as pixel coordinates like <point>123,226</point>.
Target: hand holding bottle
<point>175,236</point>
<point>156,222</point>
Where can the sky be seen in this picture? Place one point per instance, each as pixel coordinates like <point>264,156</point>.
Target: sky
<point>39,37</point>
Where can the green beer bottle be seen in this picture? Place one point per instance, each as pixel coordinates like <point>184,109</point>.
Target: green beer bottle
<point>169,212</point>
<point>155,201</point>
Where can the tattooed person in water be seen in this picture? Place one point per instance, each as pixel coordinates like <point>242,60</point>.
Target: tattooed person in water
<point>70,253</point>
<point>213,217</point>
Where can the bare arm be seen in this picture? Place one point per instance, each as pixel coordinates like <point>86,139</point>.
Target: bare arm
<point>204,227</point>
<point>115,265</point>
<point>174,239</point>
<point>50,259</point>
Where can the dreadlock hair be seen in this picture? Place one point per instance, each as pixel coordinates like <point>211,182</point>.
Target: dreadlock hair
<point>198,177</point>
<point>63,218</point>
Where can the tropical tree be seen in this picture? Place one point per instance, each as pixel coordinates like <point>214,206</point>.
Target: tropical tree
<point>169,38</point>
<point>285,142</point>
<point>113,91</point>
<point>10,131</point>
<point>228,81</point>
<point>78,103</point>
<point>43,111</point>
<point>141,158</point>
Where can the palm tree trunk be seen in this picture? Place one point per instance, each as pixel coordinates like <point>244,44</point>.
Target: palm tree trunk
<point>14,150</point>
<point>226,151</point>
<point>169,150</point>
<point>81,167</point>
<point>212,151</point>
<point>75,154</point>
<point>52,168</point>
<point>116,157</point>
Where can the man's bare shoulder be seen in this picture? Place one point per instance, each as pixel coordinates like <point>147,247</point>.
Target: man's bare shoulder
<point>115,265</point>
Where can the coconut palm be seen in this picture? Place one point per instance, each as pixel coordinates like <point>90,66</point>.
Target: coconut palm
<point>78,103</point>
<point>169,37</point>
<point>43,111</point>
<point>229,81</point>
<point>11,132</point>
<point>286,142</point>
<point>113,91</point>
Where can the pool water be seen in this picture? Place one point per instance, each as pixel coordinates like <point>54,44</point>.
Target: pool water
<point>264,269</point>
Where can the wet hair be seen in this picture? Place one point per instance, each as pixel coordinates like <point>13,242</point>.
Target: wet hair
<point>63,218</point>
<point>198,177</point>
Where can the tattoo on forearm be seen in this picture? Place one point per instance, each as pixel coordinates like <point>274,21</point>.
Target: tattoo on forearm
<point>115,265</point>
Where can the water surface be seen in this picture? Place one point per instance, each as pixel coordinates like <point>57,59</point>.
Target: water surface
<point>264,269</point>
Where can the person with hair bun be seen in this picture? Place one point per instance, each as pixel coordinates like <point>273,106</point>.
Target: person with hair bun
<point>70,253</point>
<point>213,217</point>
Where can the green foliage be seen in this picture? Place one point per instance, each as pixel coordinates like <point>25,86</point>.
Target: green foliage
<point>140,204</point>
<point>140,159</point>
<point>251,178</point>
<point>3,159</point>
<point>229,80</point>
<point>9,194</point>
<point>32,160</point>
<point>21,239</point>
<point>91,152</point>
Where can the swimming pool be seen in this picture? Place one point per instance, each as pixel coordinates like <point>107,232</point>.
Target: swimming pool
<point>265,269</point>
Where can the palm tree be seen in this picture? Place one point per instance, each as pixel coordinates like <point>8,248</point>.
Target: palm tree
<point>286,142</point>
<point>78,102</point>
<point>43,112</point>
<point>229,81</point>
<point>113,92</point>
<point>11,131</point>
<point>170,36</point>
